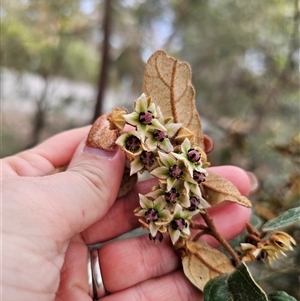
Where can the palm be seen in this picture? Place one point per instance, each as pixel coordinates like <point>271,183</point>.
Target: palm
<point>48,221</point>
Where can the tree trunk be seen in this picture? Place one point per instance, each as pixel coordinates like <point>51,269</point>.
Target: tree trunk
<point>105,60</point>
<point>39,116</point>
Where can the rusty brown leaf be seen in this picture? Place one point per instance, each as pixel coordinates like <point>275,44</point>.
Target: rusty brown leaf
<point>168,82</point>
<point>217,189</point>
<point>202,263</point>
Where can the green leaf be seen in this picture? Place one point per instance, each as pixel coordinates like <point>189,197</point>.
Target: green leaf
<point>237,286</point>
<point>288,218</point>
<point>280,296</point>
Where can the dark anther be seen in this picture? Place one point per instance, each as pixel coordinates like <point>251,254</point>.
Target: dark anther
<point>193,155</point>
<point>199,177</point>
<point>172,195</point>
<point>133,143</point>
<point>175,172</point>
<point>159,135</point>
<point>151,215</point>
<point>147,158</point>
<point>262,255</point>
<point>279,243</point>
<point>146,117</point>
<point>178,224</point>
<point>194,203</point>
<point>159,236</point>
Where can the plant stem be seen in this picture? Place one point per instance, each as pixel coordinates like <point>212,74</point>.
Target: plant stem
<point>215,233</point>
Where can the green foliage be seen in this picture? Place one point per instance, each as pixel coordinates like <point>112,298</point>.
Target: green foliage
<point>289,217</point>
<point>240,286</point>
<point>237,286</point>
<point>280,296</point>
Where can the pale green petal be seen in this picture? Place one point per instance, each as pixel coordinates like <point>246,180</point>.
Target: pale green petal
<point>151,143</point>
<point>141,212</point>
<point>172,128</point>
<point>170,183</point>
<point>174,235</point>
<point>165,215</point>
<point>184,200</point>
<point>194,189</point>
<point>167,160</point>
<point>159,203</point>
<point>153,228</point>
<point>155,193</point>
<point>165,145</point>
<point>145,202</point>
<point>160,172</point>
<point>186,232</point>
<point>141,104</point>
<point>136,165</point>
<point>132,118</point>
<point>186,145</point>
<point>156,125</point>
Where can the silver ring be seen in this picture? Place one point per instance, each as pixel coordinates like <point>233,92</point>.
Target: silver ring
<point>89,274</point>
<point>97,281</point>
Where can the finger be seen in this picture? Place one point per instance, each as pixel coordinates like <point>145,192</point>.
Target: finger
<point>150,260</point>
<point>44,158</point>
<point>237,176</point>
<point>88,188</point>
<point>208,144</point>
<point>122,211</point>
<point>174,286</point>
<point>229,218</point>
<point>73,279</point>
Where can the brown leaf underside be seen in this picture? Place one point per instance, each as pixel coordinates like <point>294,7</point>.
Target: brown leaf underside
<point>203,263</point>
<point>217,189</point>
<point>168,82</point>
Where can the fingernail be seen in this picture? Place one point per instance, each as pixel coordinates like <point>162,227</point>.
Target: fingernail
<point>253,181</point>
<point>208,143</point>
<point>100,152</point>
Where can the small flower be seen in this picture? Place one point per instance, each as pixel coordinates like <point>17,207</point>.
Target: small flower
<point>145,161</point>
<point>170,170</point>
<point>281,241</point>
<point>191,156</point>
<point>158,237</point>
<point>195,202</point>
<point>179,226</point>
<point>198,176</point>
<point>176,195</point>
<point>161,139</point>
<point>154,213</point>
<point>144,116</point>
<point>269,248</point>
<point>131,143</point>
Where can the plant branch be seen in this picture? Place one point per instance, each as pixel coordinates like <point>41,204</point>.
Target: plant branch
<point>215,233</point>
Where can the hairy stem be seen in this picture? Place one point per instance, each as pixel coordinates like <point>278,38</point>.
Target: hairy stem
<point>215,233</point>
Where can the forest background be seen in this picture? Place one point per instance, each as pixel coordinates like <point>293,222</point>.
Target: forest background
<point>63,63</point>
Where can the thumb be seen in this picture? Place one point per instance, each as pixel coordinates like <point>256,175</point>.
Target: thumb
<point>90,185</point>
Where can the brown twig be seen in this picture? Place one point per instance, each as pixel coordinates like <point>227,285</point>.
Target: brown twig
<point>215,233</point>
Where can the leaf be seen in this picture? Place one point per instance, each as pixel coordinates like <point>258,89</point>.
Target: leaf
<point>280,296</point>
<point>288,218</point>
<point>202,263</point>
<point>237,286</point>
<point>168,82</point>
<point>217,189</point>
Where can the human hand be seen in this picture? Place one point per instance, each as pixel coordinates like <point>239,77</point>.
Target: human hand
<point>48,221</point>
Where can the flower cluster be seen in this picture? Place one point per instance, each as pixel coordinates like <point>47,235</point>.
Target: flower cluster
<point>267,249</point>
<point>177,163</point>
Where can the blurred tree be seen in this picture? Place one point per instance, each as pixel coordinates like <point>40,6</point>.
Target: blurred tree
<point>50,39</point>
<point>105,58</point>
